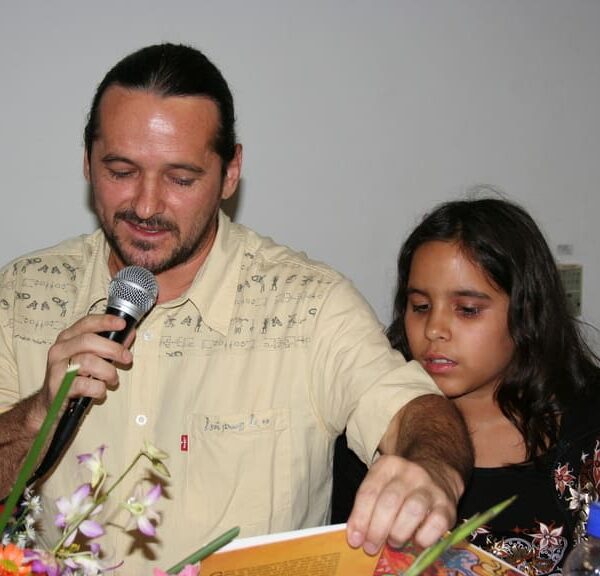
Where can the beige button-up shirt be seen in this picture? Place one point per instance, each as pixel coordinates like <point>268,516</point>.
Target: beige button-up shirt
<point>245,380</point>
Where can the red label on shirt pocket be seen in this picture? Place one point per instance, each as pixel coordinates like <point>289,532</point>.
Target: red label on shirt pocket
<point>183,443</point>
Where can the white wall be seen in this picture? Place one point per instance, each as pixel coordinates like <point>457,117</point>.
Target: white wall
<point>356,116</point>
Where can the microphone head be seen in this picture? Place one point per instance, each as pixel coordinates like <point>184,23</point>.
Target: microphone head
<point>133,290</point>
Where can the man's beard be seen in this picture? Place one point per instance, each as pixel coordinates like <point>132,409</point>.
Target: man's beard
<point>180,254</point>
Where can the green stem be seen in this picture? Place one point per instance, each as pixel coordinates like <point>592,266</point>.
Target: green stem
<point>431,554</point>
<point>120,478</point>
<point>205,551</point>
<point>36,447</point>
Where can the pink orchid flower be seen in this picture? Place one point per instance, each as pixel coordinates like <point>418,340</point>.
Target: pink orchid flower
<point>93,462</point>
<point>71,510</point>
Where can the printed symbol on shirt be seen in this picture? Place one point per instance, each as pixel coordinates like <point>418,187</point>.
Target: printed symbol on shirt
<point>260,280</point>
<point>183,443</point>
<point>71,270</point>
<point>28,262</point>
<point>46,269</point>
<point>34,305</point>
<point>62,304</point>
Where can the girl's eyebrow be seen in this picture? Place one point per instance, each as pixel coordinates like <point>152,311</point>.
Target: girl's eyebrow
<point>472,294</point>
<point>466,292</point>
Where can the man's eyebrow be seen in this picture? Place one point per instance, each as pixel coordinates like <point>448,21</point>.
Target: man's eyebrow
<point>188,167</point>
<point>410,290</point>
<point>108,158</point>
<point>116,158</point>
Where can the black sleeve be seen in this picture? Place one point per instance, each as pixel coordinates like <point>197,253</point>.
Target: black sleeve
<point>348,473</point>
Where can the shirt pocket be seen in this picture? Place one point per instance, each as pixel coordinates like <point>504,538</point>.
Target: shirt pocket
<point>239,472</point>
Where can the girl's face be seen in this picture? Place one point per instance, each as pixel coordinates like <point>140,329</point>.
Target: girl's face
<point>456,321</point>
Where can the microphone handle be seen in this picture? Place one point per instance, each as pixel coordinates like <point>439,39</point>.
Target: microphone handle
<point>76,409</point>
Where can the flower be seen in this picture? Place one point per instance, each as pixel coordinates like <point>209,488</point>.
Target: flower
<point>548,536</point>
<point>74,515</point>
<point>156,457</point>
<point>94,463</point>
<point>12,560</point>
<point>77,514</point>
<point>18,553</point>
<point>563,478</point>
<point>43,562</point>
<point>88,562</point>
<point>140,507</point>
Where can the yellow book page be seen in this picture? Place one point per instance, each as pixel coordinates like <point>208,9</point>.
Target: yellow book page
<point>326,554</point>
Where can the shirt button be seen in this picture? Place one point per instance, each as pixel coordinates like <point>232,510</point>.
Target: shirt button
<point>141,419</point>
<point>147,336</point>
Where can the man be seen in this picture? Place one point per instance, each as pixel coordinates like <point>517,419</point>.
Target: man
<point>253,360</point>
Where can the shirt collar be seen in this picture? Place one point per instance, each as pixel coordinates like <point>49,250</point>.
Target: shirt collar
<point>215,286</point>
<point>212,292</point>
<point>94,286</point>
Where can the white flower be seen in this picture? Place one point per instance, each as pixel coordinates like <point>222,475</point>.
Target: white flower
<point>140,507</point>
<point>156,456</point>
<point>35,505</point>
<point>153,452</point>
<point>94,463</point>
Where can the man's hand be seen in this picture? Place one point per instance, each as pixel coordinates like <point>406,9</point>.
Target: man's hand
<point>98,359</point>
<point>399,500</point>
<point>96,356</point>
<point>412,490</point>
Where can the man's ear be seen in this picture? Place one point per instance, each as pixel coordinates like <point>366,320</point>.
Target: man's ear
<point>232,174</point>
<point>86,166</point>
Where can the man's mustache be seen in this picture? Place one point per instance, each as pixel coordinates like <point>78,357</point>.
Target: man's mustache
<point>154,222</point>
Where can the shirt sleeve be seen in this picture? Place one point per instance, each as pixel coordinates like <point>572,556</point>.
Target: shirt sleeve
<point>9,389</point>
<point>359,382</point>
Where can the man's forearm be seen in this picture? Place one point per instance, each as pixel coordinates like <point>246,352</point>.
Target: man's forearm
<point>18,429</point>
<point>430,431</point>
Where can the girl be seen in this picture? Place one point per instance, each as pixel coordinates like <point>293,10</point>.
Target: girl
<point>481,306</point>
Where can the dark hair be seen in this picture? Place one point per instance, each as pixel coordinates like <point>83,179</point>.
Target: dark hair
<point>171,70</point>
<point>552,366</point>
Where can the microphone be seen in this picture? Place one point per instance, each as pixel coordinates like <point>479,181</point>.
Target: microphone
<point>131,295</point>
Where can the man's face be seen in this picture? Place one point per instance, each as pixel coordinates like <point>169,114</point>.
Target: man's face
<point>157,182</point>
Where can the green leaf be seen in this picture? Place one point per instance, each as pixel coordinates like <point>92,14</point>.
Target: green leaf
<point>36,447</point>
<point>205,551</point>
<point>431,554</point>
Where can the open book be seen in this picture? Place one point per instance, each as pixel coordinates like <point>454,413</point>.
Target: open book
<point>325,552</point>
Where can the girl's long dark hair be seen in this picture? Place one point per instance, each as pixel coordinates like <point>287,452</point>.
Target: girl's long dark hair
<point>552,365</point>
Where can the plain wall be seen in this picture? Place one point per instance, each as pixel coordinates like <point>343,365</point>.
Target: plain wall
<point>356,116</point>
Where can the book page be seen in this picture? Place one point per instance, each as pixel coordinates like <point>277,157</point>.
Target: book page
<point>324,552</point>
<point>321,554</point>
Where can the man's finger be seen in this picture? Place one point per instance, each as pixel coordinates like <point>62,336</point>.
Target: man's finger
<point>409,517</point>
